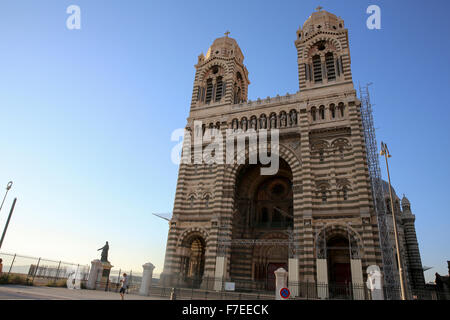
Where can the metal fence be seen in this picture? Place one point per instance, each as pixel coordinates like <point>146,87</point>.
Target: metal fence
<point>40,271</point>
<point>231,289</point>
<point>112,282</point>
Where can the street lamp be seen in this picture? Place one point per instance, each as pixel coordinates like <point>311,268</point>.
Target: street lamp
<point>385,152</point>
<point>8,186</point>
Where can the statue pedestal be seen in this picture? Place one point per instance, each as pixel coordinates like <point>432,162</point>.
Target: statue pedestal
<point>99,274</point>
<point>146,279</point>
<point>281,276</point>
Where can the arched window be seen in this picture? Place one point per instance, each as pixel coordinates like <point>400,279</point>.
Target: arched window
<point>317,68</point>
<point>345,193</point>
<point>341,152</point>
<point>209,90</point>
<point>341,109</point>
<point>332,111</point>
<point>219,89</point>
<point>238,89</point>
<point>322,112</point>
<point>324,195</point>
<point>321,157</point>
<point>207,201</point>
<point>329,62</point>
<point>237,96</point>
<point>191,200</point>
<point>313,113</point>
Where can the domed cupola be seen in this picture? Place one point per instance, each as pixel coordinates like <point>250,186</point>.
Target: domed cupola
<point>406,205</point>
<point>321,21</point>
<point>323,52</point>
<point>225,47</point>
<point>221,76</point>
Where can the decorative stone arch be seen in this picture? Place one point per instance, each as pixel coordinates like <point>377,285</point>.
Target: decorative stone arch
<point>284,152</point>
<point>190,233</point>
<point>207,194</point>
<point>340,142</point>
<point>320,144</point>
<point>342,229</point>
<point>191,194</point>
<point>209,65</point>
<point>344,182</point>
<point>322,37</point>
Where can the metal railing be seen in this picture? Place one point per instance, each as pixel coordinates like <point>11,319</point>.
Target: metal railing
<point>40,271</point>
<point>216,288</point>
<point>21,269</point>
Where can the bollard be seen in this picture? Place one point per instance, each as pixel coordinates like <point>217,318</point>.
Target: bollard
<point>173,295</point>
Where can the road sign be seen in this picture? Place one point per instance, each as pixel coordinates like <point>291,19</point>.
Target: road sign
<point>285,293</point>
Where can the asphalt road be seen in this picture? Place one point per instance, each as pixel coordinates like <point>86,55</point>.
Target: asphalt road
<point>15,292</point>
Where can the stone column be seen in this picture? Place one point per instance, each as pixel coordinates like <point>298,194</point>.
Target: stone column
<point>280,282</point>
<point>95,274</point>
<point>146,279</point>
<point>293,276</point>
<point>357,279</point>
<point>322,278</point>
<point>219,273</point>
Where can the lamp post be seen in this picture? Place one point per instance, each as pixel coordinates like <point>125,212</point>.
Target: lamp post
<point>385,152</point>
<point>8,186</point>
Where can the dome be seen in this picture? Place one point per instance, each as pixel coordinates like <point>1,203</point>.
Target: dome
<point>405,202</point>
<point>386,190</point>
<point>225,47</point>
<point>322,20</point>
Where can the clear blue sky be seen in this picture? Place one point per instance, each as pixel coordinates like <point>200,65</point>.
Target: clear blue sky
<point>86,115</point>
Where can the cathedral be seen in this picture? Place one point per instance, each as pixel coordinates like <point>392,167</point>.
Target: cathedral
<point>315,216</point>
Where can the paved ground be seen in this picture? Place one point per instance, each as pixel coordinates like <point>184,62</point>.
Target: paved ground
<point>16,292</point>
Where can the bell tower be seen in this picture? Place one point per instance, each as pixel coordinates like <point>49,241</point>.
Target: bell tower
<point>221,76</point>
<point>323,51</point>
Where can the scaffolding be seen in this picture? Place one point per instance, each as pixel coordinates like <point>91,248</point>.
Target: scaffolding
<point>391,282</point>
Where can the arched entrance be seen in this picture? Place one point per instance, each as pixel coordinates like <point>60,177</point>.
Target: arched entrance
<point>193,260</point>
<point>263,210</point>
<point>339,269</point>
<point>338,262</point>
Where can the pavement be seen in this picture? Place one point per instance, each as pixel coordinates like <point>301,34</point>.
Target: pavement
<point>17,292</point>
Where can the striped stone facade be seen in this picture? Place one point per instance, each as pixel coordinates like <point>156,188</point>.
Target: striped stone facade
<point>321,145</point>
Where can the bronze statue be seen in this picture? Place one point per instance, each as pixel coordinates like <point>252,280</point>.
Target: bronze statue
<point>105,248</point>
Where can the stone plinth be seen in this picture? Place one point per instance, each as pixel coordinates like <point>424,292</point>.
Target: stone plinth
<point>281,276</point>
<point>146,279</point>
<point>99,274</point>
<point>94,274</point>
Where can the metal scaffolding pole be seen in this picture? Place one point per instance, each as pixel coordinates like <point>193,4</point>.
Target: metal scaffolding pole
<point>391,282</point>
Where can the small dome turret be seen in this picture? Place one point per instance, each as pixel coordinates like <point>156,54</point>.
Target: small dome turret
<point>225,47</point>
<point>406,205</point>
<point>322,20</point>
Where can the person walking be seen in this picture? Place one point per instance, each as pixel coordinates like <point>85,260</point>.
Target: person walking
<point>124,285</point>
<point>1,266</point>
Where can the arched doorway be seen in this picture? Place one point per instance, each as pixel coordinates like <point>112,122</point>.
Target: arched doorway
<point>193,261</point>
<point>339,268</point>
<point>263,210</point>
